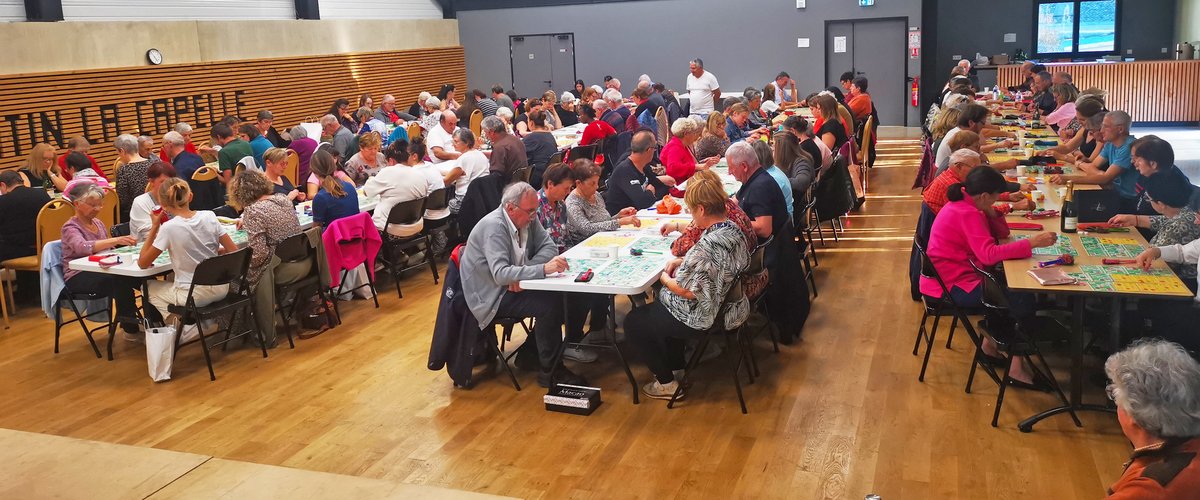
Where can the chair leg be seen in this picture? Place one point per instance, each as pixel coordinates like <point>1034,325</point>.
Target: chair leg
<point>688,369</point>
<point>4,286</point>
<point>212,375</point>
<point>371,283</point>
<point>1000,396</point>
<point>249,317</point>
<point>112,325</point>
<point>929,346</point>
<point>734,366</point>
<point>953,325</point>
<point>83,325</point>
<point>920,332</point>
<point>429,258</point>
<point>57,325</point>
<point>811,248</point>
<point>491,341</point>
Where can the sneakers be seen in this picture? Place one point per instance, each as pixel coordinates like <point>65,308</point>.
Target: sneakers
<point>562,375</point>
<point>656,390</point>
<point>580,355</point>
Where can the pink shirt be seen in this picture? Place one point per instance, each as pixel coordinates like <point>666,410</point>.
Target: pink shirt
<point>1062,116</point>
<point>962,234</point>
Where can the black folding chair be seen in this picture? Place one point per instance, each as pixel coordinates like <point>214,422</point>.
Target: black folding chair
<point>118,230</point>
<point>67,299</point>
<point>939,307</point>
<point>735,349</point>
<point>438,200</point>
<point>406,213</point>
<point>223,270</point>
<point>293,250</point>
<point>1016,340</point>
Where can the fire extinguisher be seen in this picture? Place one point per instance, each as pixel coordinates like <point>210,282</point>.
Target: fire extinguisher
<point>915,93</point>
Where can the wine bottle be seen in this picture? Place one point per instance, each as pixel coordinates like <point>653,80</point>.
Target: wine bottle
<point>1070,216</point>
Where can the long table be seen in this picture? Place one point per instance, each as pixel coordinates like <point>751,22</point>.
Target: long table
<point>620,273</point>
<point>129,266</point>
<point>1166,286</point>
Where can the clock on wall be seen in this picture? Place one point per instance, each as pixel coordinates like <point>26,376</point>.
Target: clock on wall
<point>154,56</point>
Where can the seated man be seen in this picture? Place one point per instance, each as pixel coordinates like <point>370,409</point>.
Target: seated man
<point>961,163</point>
<point>770,217</point>
<point>19,207</point>
<point>1156,387</point>
<point>633,183</point>
<point>508,152</point>
<point>503,249</point>
<point>1113,169</point>
<point>617,113</point>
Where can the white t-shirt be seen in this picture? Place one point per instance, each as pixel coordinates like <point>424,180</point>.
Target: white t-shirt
<point>436,180</point>
<point>139,216</point>
<point>782,95</point>
<point>394,185</point>
<point>474,165</point>
<point>700,92</point>
<point>944,152</point>
<point>438,137</point>
<point>190,241</point>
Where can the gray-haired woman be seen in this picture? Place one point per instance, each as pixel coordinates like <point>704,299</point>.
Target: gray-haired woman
<point>84,235</point>
<point>1156,386</point>
<point>131,175</point>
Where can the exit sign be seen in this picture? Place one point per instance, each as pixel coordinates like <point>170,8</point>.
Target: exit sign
<point>866,3</point>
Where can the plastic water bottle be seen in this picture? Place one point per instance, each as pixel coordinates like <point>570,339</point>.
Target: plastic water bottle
<point>996,92</point>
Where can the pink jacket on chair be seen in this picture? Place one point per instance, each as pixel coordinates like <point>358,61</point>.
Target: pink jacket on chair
<point>349,242</point>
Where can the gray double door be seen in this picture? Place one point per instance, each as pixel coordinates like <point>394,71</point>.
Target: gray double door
<point>542,62</point>
<point>875,49</point>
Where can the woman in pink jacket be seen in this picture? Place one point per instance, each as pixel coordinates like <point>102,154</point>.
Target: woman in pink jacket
<point>966,231</point>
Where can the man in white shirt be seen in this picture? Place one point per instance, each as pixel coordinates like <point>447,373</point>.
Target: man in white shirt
<point>703,89</point>
<point>785,90</point>
<point>440,139</point>
<point>394,185</point>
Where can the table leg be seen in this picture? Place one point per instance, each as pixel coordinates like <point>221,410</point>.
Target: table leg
<point>1076,347</point>
<point>610,335</point>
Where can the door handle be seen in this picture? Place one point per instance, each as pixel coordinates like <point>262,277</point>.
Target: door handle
<point>548,82</point>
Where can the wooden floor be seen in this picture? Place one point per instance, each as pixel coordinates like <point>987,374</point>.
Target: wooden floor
<point>839,415</point>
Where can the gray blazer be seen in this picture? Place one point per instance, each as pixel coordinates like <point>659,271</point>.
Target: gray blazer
<point>487,262</point>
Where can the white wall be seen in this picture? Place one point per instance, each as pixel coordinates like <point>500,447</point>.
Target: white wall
<point>12,10</point>
<point>380,9</point>
<point>1187,21</point>
<point>182,10</point>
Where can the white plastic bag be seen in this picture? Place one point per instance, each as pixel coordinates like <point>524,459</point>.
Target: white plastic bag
<point>160,349</point>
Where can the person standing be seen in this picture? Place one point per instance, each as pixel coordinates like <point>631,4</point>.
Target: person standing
<point>703,89</point>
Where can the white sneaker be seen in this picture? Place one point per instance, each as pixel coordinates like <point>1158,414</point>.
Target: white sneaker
<point>190,332</point>
<point>580,355</point>
<point>655,390</point>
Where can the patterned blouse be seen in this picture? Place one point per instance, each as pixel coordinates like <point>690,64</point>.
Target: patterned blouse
<point>708,270</point>
<point>131,182</point>
<point>710,145</point>
<point>554,219</point>
<point>751,285</point>
<point>585,218</point>
<point>267,222</point>
<point>1178,230</point>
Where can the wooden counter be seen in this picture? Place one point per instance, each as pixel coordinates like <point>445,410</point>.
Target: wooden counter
<point>1150,91</point>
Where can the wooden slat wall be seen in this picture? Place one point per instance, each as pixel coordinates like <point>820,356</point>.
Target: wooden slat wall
<point>100,104</point>
<point>1150,91</point>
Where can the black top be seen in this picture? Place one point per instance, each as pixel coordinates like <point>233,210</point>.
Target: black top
<point>276,139</point>
<point>837,129</point>
<point>539,147</point>
<point>521,118</point>
<point>206,195</point>
<point>814,151</point>
<point>18,218</point>
<point>627,188</point>
<point>415,109</point>
<point>284,188</point>
<point>34,180</point>
<point>568,117</point>
<point>1045,102</point>
<point>652,104</point>
<point>760,196</point>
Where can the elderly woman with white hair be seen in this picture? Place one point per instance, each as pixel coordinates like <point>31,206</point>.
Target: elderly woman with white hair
<point>566,109</point>
<point>433,114</point>
<point>1156,387</point>
<point>505,115</point>
<point>617,113</point>
<point>131,176</point>
<point>677,156</point>
<point>304,146</point>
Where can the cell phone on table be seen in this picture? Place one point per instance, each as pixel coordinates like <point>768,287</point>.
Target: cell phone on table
<point>584,277</point>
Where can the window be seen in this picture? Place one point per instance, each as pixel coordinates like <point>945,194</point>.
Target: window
<point>1076,28</point>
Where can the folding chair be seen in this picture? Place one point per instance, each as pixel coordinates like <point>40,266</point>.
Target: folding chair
<point>229,269</point>
<point>1015,340</point>
<point>939,307</point>
<point>737,356</point>
<point>297,249</point>
<point>408,213</point>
